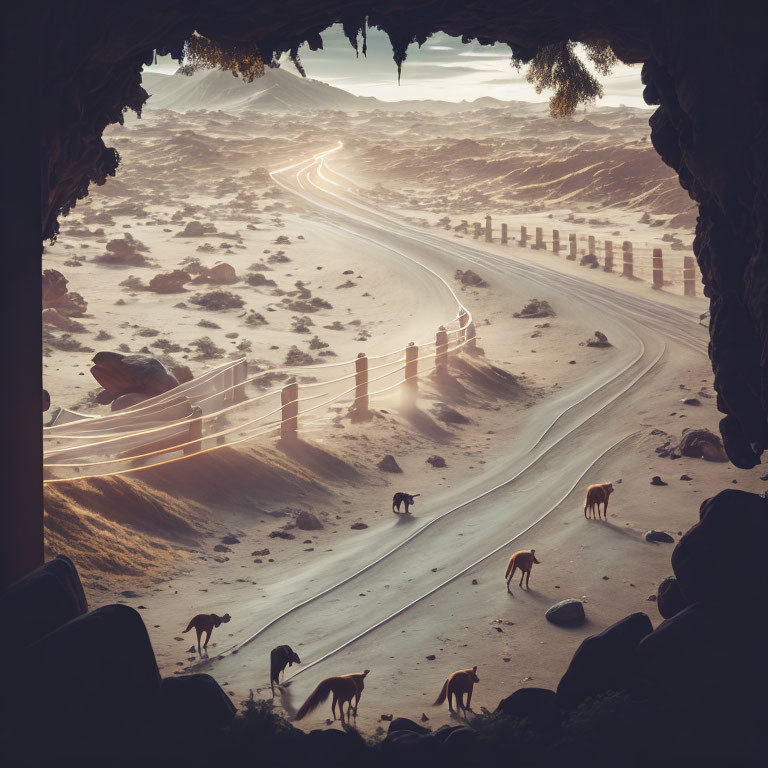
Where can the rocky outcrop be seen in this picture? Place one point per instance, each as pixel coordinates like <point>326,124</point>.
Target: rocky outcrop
<point>701,444</point>
<point>306,521</point>
<point>56,295</point>
<point>122,374</point>
<point>169,282</point>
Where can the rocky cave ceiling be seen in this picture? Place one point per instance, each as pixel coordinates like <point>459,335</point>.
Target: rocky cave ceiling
<point>704,65</point>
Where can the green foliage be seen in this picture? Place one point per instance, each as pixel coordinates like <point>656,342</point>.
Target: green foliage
<point>558,66</point>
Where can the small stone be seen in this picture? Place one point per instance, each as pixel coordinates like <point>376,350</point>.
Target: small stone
<point>474,582</point>
<point>424,718</point>
<point>660,536</point>
<point>221,548</point>
<point>230,539</point>
<point>431,657</point>
<point>690,401</point>
<point>566,613</point>
<point>388,464</point>
<point>651,598</point>
<point>686,477</point>
<point>358,526</point>
<point>656,480</point>
<point>436,461</point>
<point>386,717</point>
<point>260,553</point>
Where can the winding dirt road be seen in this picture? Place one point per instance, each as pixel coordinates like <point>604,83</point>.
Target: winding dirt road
<point>379,603</point>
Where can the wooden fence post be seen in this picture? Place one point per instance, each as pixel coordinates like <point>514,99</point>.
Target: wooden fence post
<point>289,397</point>
<point>523,236</point>
<point>488,229</point>
<point>361,384</point>
<point>608,265</point>
<point>556,241</point>
<point>412,367</point>
<point>540,240</point>
<point>571,247</point>
<point>195,435</point>
<point>504,235</point>
<point>441,351</point>
<point>689,276</point>
<point>463,321</point>
<point>239,375</point>
<point>658,269</point>
<point>628,268</point>
<point>478,229</point>
<point>471,338</point>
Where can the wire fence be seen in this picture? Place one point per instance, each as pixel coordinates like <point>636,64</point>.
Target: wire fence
<point>216,409</point>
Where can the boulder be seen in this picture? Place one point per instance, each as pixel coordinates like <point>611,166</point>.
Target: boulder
<point>702,444</point>
<point>725,550</point>
<point>537,705</point>
<point>436,461</point>
<point>599,340</point>
<point>127,401</point>
<point>120,374</point>
<point>57,595</point>
<point>219,274</point>
<point>404,724</point>
<point>388,464</point>
<point>605,662</point>
<point>660,536</point>
<point>194,703</point>
<point>306,521</point>
<point>566,613</point>
<point>670,600</point>
<point>169,282</point>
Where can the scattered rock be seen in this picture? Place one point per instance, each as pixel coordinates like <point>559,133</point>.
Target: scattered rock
<point>257,280</point>
<point>660,536</point>
<point>389,464</point>
<point>656,480</point>
<point>169,282</point>
<point>468,277</point>
<point>424,718</point>
<point>306,521</point>
<point>387,717</point>
<point>598,340</point>
<point>436,461</point>
<point>685,477</point>
<point>124,252</point>
<point>220,274</point>
<point>229,539</point>
<point>358,526</point>
<point>690,401</point>
<point>281,535</point>
<point>566,613</point>
<point>196,229</point>
<point>260,553</point>
<point>535,308</point>
<point>431,657</point>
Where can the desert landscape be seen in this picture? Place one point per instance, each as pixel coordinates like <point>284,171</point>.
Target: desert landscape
<point>292,225</point>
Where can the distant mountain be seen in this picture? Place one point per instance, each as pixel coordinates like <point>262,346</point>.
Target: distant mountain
<point>277,90</point>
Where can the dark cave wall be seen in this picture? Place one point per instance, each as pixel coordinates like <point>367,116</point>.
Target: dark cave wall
<point>704,64</point>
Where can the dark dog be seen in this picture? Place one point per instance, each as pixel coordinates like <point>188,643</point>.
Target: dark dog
<point>403,498</point>
<point>281,657</point>
<point>206,622</point>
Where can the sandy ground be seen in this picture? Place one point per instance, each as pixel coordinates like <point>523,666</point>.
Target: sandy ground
<point>537,436</point>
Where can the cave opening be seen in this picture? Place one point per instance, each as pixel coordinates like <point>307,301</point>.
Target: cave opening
<point>703,66</point>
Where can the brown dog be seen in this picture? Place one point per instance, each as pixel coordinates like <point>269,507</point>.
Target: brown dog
<point>457,685</point>
<point>205,622</point>
<point>281,657</point>
<point>343,688</point>
<point>597,495</point>
<point>523,560</point>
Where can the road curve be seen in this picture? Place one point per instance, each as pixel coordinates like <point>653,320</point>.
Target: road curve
<point>469,527</point>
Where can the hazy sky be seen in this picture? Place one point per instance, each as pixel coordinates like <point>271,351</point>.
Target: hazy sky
<point>442,69</point>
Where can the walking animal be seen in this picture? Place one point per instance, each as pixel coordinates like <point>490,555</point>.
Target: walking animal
<point>457,685</point>
<point>281,657</point>
<point>403,498</point>
<point>344,689</point>
<point>597,495</point>
<point>523,560</point>
<point>205,622</point>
